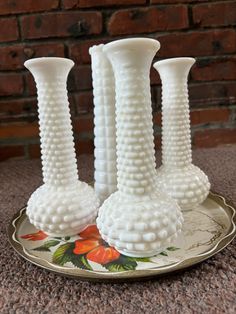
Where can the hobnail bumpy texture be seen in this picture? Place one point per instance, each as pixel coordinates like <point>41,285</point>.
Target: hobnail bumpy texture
<point>63,205</point>
<point>136,219</point>
<point>135,145</point>
<point>105,174</point>
<point>189,186</point>
<point>139,227</point>
<point>176,136</point>
<point>178,177</point>
<point>61,211</point>
<point>57,147</point>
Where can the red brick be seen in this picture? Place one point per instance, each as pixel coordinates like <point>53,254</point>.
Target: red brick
<point>156,97</point>
<point>215,14</point>
<point>72,105</point>
<point>214,137</point>
<point>11,84</point>
<point>63,24</point>
<point>34,151</point>
<point>18,110</point>
<point>83,125</point>
<point>83,102</point>
<point>174,1</point>
<point>154,77</point>
<point>214,70</point>
<point>157,142</point>
<point>80,78</point>
<point>9,30</point>
<point>84,146</point>
<point>75,4</point>
<point>157,118</point>
<point>9,151</point>
<point>208,94</point>
<point>26,6</point>
<point>198,43</point>
<point>30,85</point>
<point>13,57</point>
<point>79,51</point>
<point>206,116</point>
<point>19,130</point>
<point>136,21</point>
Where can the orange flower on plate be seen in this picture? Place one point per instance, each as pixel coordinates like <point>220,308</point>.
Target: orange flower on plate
<point>40,235</point>
<point>94,247</point>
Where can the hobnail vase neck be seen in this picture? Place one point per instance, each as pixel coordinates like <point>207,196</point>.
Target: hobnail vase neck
<point>131,61</point>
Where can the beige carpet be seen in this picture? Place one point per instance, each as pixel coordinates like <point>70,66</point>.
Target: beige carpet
<point>207,288</point>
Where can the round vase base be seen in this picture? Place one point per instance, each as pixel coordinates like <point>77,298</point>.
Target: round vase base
<point>189,185</point>
<point>61,213</point>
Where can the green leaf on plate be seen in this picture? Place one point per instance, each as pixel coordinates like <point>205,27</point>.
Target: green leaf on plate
<point>46,246</point>
<point>123,263</point>
<point>173,248</point>
<point>67,238</point>
<point>80,261</point>
<point>142,259</point>
<point>63,253</point>
<point>164,253</point>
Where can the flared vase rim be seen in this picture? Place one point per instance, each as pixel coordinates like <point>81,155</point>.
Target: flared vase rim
<point>48,60</point>
<point>132,42</point>
<point>178,60</point>
<point>96,48</point>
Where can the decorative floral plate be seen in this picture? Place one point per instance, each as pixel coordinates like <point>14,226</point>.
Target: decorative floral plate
<point>207,230</point>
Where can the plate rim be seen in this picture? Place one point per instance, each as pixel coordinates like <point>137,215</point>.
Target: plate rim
<point>131,275</point>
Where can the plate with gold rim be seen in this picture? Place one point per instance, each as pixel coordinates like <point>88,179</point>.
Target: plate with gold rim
<point>207,229</point>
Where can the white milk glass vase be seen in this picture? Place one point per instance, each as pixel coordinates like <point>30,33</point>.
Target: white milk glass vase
<point>105,175</point>
<point>137,219</point>
<point>63,205</point>
<point>177,176</point>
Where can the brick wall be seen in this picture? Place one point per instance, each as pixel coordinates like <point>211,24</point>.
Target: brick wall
<point>198,28</point>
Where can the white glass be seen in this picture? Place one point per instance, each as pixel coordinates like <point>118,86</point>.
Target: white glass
<point>105,175</point>
<point>137,220</point>
<point>63,205</point>
<point>177,176</point>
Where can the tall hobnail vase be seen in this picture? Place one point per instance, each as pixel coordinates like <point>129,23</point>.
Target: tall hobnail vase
<point>105,174</point>
<point>63,205</point>
<point>177,176</point>
<point>137,220</point>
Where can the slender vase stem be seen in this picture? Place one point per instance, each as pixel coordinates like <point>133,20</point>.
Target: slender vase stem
<point>135,146</point>
<point>58,154</point>
<point>105,174</point>
<point>177,176</point>
<point>137,219</point>
<point>175,123</point>
<point>63,205</point>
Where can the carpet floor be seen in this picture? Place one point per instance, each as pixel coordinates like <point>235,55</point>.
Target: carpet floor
<point>209,287</point>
